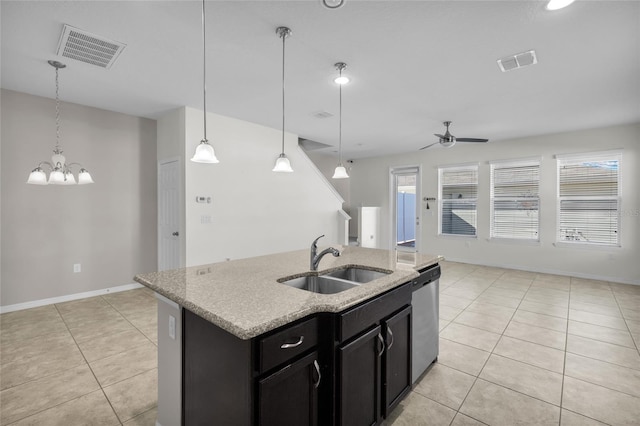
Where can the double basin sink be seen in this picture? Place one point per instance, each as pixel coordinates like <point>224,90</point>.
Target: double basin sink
<point>335,281</point>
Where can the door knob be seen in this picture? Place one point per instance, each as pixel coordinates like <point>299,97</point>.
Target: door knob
<point>175,234</point>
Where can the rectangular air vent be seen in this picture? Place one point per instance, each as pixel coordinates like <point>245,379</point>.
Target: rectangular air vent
<point>88,48</point>
<point>518,60</point>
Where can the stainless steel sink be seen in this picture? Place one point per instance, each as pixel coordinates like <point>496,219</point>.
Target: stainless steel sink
<point>357,275</point>
<point>321,284</point>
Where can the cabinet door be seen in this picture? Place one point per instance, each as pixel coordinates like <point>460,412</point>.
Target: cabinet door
<point>289,397</point>
<point>396,358</point>
<point>359,379</point>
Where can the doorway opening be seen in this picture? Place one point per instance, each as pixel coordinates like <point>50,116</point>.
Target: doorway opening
<point>406,208</point>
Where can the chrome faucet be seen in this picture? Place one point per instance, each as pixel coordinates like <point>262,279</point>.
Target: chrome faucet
<point>316,257</point>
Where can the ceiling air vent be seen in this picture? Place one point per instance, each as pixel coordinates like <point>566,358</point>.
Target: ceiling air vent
<point>518,60</point>
<point>88,48</point>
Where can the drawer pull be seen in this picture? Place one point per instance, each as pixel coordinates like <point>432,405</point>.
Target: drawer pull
<point>292,345</point>
<point>315,364</point>
<point>381,344</point>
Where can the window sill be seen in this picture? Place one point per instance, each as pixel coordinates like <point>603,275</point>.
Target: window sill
<point>458,237</point>
<point>516,241</point>
<point>586,246</point>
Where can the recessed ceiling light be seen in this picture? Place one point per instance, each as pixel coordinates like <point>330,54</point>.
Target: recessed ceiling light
<point>558,4</point>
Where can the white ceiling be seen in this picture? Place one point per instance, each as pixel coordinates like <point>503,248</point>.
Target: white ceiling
<point>413,64</point>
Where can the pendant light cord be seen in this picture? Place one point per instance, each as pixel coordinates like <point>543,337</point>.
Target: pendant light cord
<point>283,34</point>
<point>204,71</point>
<point>340,126</point>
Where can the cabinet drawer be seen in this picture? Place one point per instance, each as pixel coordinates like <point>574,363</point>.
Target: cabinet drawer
<point>354,320</point>
<point>287,343</point>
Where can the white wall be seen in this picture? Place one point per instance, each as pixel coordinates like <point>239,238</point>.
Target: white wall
<point>108,227</point>
<point>254,210</point>
<point>370,187</point>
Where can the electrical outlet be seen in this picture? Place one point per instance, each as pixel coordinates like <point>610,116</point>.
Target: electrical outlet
<point>77,268</point>
<point>172,327</point>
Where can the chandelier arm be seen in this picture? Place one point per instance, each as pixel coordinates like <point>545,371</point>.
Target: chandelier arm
<point>46,163</point>
<point>336,6</point>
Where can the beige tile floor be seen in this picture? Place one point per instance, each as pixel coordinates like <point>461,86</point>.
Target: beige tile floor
<point>515,348</point>
<point>86,362</point>
<point>519,348</point>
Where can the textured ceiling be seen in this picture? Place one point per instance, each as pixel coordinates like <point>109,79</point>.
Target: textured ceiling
<point>413,64</point>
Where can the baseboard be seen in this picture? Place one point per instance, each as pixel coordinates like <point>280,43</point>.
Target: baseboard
<point>67,298</point>
<point>549,271</point>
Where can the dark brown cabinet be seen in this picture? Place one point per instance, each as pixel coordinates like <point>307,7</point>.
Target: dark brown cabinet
<point>346,368</point>
<point>397,359</point>
<point>290,395</point>
<point>360,386</point>
<point>375,365</point>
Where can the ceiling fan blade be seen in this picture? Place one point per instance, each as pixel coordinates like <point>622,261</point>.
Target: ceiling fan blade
<point>471,140</point>
<point>438,135</point>
<point>425,147</point>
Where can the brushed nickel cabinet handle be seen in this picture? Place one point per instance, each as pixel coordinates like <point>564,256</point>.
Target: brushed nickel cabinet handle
<point>382,343</point>
<point>390,333</point>
<point>315,364</point>
<point>292,345</point>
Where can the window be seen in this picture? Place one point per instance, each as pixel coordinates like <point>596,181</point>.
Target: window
<point>589,198</point>
<point>515,201</point>
<point>458,187</point>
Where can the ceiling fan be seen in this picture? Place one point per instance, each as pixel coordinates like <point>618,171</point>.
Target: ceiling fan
<point>448,140</point>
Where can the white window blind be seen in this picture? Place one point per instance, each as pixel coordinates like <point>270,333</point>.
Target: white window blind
<point>458,200</point>
<point>515,201</point>
<point>589,199</point>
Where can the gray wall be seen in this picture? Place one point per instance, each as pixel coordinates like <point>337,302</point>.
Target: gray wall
<point>370,183</point>
<point>108,227</point>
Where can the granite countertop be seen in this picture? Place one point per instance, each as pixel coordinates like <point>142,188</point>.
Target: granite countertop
<point>245,298</point>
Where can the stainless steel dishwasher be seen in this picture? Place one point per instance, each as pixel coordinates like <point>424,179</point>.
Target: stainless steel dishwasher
<point>424,325</point>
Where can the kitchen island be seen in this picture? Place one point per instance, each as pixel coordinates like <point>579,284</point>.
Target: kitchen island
<point>256,351</point>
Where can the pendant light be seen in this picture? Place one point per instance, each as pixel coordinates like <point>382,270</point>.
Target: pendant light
<point>204,151</point>
<point>341,171</point>
<point>60,171</point>
<point>282,163</point>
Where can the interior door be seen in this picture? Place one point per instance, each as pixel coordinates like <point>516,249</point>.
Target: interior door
<point>169,215</point>
<point>405,195</point>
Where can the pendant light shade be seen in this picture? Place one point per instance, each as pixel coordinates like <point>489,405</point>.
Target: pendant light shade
<point>204,154</point>
<point>282,162</point>
<point>204,151</point>
<point>61,173</point>
<point>341,171</point>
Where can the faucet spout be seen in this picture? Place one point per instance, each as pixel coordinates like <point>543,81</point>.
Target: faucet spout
<point>315,257</point>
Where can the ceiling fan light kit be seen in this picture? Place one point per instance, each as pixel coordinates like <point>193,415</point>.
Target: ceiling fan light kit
<point>448,140</point>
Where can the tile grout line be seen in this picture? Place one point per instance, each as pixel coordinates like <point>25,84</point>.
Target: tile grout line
<point>626,323</point>
<point>132,324</point>
<point>490,353</point>
<point>89,366</point>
